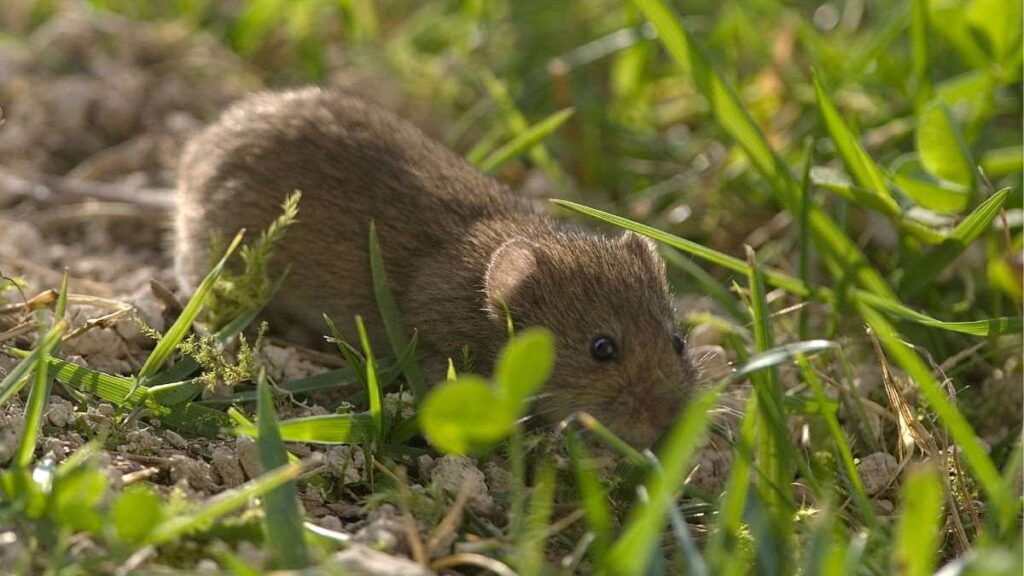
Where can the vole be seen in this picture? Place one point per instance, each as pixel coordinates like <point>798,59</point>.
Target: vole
<point>459,250</point>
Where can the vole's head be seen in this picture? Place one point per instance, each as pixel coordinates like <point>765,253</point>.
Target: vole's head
<point>606,300</point>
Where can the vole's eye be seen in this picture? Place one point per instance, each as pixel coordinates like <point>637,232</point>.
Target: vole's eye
<point>678,343</point>
<point>603,348</point>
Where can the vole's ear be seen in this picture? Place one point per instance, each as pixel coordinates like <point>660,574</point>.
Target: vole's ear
<point>510,266</point>
<point>643,249</point>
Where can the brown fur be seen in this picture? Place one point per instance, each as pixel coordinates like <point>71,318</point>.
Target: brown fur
<point>458,249</point>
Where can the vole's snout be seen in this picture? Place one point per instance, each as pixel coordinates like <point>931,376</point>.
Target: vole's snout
<point>648,415</point>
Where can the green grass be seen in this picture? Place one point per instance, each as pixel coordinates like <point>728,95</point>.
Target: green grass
<point>817,171</point>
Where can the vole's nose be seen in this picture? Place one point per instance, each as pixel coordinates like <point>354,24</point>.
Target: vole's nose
<point>651,415</point>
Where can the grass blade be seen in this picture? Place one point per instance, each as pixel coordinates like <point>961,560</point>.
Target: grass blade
<point>773,456</point>
<point>921,272</point>
<point>325,429</point>
<point>223,503</point>
<point>840,252</point>
<point>347,351</point>
<point>610,439</point>
<point>860,497</point>
<point>165,347</point>
<point>532,540</point>
<point>726,553</point>
<point>339,378</point>
<point>873,191</point>
<point>39,393</point>
<point>779,279</point>
<point>106,386</point>
<point>194,418</point>
<point>632,551</point>
<point>695,564</point>
<point>921,84</point>
<point>393,324</point>
<point>516,123</point>
<point>989,327</point>
<point>15,379</point>
<point>593,497</point>
<point>804,262</point>
<point>282,518</point>
<point>373,386</point>
<point>176,392</point>
<point>918,528</point>
<point>191,417</point>
<point>985,472</point>
<point>525,141</point>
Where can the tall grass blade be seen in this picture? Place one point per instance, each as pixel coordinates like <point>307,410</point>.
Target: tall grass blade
<point>610,439</point>
<point>840,252</point>
<point>990,327</point>
<point>190,417</point>
<point>999,493</point>
<point>343,378</point>
<point>776,278</point>
<point>282,518</point>
<point>725,552</point>
<point>631,553</point>
<point>39,394</point>
<point>16,378</point>
<point>593,497</point>
<point>347,352</point>
<point>860,497</point>
<point>922,271</point>
<point>532,541</point>
<point>695,564</point>
<point>176,333</point>
<point>873,191</point>
<point>525,141</point>
<point>773,442</point>
<point>516,123</point>
<point>918,528</point>
<point>707,285</point>
<point>222,504</point>
<point>393,324</point>
<point>804,238</point>
<point>353,428</point>
<point>921,83</point>
<point>373,387</point>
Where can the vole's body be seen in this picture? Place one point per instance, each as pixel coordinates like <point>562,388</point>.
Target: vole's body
<point>456,246</point>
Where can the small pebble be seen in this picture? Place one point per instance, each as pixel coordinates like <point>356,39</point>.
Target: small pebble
<point>225,463</point>
<point>877,471</point>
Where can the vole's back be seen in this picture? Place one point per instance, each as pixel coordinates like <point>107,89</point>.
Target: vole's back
<point>353,163</point>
